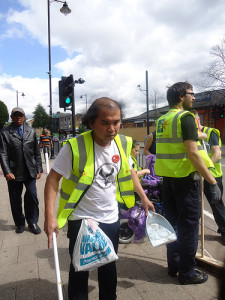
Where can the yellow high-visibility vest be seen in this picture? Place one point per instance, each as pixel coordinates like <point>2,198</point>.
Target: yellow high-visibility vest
<point>82,175</point>
<point>171,154</point>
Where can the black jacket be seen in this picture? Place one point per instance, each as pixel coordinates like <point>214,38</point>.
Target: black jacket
<point>20,156</point>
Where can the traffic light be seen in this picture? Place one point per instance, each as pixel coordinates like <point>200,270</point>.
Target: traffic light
<point>221,111</point>
<point>66,91</point>
<point>213,113</point>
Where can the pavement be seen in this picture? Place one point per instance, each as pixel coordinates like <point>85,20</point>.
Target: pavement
<point>28,272</point>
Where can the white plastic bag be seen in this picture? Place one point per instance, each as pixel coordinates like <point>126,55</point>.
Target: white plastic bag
<point>93,248</point>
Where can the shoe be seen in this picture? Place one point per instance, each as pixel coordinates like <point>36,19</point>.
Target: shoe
<point>223,239</point>
<point>35,228</point>
<point>172,273</point>
<point>199,277</point>
<point>20,229</point>
<point>219,231</point>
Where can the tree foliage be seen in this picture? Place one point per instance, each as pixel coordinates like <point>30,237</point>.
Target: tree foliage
<point>4,114</point>
<point>41,118</point>
<point>81,128</point>
<point>215,72</point>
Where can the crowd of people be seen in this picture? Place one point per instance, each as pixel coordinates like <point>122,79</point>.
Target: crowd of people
<point>99,169</point>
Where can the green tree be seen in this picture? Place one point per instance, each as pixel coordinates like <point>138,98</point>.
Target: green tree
<point>41,118</point>
<point>4,114</point>
<point>81,128</point>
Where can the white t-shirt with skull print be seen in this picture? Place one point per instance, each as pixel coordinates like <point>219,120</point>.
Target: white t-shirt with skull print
<point>99,202</point>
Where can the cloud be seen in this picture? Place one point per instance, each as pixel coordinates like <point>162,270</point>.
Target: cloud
<point>110,44</point>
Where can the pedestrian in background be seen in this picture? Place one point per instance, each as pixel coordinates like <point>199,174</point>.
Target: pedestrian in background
<point>21,164</point>
<point>150,144</point>
<point>134,152</point>
<point>97,174</point>
<point>179,159</point>
<point>46,140</point>
<point>214,141</point>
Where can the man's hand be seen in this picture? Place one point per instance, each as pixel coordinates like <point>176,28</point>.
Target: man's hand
<point>50,226</point>
<point>147,204</point>
<point>215,193</point>
<point>9,177</point>
<point>38,175</point>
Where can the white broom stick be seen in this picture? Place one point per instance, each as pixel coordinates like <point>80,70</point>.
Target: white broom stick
<point>57,270</point>
<point>56,257</point>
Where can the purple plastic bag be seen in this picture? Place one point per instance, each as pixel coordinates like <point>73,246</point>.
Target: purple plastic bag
<point>136,221</point>
<point>151,178</point>
<point>150,163</point>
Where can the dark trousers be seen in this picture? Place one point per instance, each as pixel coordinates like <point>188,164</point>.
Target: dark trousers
<point>107,275</point>
<point>218,208</point>
<point>31,209</point>
<point>181,198</point>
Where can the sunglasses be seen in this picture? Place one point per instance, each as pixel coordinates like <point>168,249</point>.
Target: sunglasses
<point>192,94</point>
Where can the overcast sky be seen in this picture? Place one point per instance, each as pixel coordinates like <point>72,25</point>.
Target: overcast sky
<point>108,43</point>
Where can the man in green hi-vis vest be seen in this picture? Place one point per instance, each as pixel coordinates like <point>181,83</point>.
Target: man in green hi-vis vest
<point>180,159</point>
<point>97,174</point>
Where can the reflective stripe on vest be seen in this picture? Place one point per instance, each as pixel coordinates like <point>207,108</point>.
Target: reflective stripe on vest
<point>73,189</point>
<point>171,155</point>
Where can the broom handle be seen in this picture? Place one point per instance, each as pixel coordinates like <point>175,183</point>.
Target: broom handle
<point>202,218</point>
<point>58,277</point>
<point>56,257</point>
<point>202,209</point>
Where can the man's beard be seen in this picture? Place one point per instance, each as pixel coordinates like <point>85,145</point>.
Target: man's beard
<point>187,107</point>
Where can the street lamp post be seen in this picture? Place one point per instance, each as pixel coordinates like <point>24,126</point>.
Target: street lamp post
<point>147,101</point>
<point>65,10</point>
<point>17,98</point>
<point>78,81</point>
<point>86,99</point>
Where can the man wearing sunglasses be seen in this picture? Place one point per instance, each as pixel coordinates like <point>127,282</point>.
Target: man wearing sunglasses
<point>21,164</point>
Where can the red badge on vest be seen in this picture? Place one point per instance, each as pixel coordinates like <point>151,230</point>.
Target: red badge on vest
<point>115,158</point>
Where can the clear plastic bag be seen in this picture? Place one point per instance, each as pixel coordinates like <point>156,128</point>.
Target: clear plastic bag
<point>93,248</point>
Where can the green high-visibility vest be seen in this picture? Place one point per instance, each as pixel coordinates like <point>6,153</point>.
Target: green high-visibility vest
<point>171,154</point>
<point>217,172</point>
<point>82,175</point>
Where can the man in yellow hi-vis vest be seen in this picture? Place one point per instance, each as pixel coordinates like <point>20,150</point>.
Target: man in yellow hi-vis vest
<point>214,141</point>
<point>97,172</point>
<point>180,159</point>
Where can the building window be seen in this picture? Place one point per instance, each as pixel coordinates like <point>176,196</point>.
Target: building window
<point>139,125</point>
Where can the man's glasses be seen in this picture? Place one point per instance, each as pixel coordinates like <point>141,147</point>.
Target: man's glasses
<point>192,94</point>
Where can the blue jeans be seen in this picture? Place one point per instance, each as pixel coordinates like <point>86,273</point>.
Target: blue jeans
<point>107,275</point>
<point>218,208</point>
<point>181,198</point>
<point>31,203</point>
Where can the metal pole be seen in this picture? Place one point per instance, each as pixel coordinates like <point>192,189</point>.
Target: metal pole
<point>147,103</point>
<point>73,115</point>
<point>49,69</point>
<point>16,98</point>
